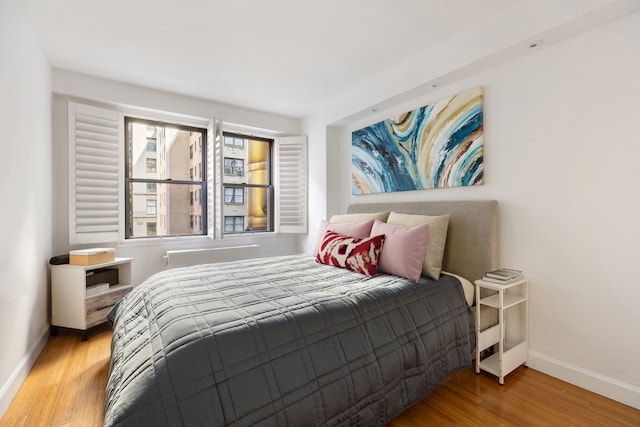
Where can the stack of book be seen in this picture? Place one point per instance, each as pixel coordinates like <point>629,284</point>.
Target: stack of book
<point>503,276</point>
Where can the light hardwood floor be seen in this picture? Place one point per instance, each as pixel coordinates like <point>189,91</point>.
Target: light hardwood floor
<point>66,388</point>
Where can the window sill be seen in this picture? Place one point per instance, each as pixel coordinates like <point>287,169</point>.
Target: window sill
<point>160,241</point>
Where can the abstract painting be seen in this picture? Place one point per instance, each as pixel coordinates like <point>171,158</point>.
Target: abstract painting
<point>435,146</point>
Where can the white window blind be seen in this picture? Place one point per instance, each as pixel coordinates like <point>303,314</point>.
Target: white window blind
<point>94,171</point>
<point>291,190</point>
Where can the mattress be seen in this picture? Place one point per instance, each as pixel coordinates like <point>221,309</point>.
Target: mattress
<point>282,341</point>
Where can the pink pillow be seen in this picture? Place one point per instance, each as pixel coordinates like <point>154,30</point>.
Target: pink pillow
<point>349,229</point>
<point>404,248</point>
<point>359,255</point>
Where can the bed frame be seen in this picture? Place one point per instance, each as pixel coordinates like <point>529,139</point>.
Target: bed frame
<point>472,238</point>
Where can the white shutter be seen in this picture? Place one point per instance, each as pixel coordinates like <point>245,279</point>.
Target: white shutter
<point>94,196</point>
<point>291,184</point>
<point>211,132</point>
<point>217,195</point>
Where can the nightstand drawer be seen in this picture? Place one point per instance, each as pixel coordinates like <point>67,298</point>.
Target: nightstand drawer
<point>98,306</point>
<point>97,317</point>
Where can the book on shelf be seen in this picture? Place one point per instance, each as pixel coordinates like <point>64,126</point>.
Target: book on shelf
<point>503,276</point>
<point>97,288</point>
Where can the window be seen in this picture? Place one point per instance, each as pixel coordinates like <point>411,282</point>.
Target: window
<point>152,207</point>
<point>272,181</point>
<point>233,166</point>
<point>234,195</point>
<point>152,229</point>
<point>151,165</point>
<point>174,177</point>
<point>231,141</point>
<point>247,183</point>
<point>233,224</point>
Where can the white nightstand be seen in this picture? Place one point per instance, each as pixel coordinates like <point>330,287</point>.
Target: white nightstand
<point>512,331</point>
<point>73,307</point>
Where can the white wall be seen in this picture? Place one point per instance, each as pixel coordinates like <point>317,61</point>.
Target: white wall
<point>25,173</point>
<point>561,157</point>
<point>148,254</point>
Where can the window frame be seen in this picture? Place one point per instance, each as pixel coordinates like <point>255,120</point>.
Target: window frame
<point>128,180</point>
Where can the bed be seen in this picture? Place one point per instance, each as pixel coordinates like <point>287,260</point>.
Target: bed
<point>290,341</point>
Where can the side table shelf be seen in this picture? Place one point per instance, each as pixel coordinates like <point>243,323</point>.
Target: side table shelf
<point>73,307</point>
<point>511,334</point>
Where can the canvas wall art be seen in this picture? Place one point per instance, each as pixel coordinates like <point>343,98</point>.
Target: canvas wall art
<point>435,146</point>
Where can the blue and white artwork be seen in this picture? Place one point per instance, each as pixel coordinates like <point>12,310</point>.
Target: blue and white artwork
<point>438,145</point>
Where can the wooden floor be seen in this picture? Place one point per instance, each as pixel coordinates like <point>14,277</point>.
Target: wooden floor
<point>66,388</point>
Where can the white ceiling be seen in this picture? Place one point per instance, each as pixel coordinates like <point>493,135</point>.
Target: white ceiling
<point>289,57</point>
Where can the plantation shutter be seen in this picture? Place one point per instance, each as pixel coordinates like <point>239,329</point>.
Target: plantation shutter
<point>94,194</point>
<point>211,138</point>
<point>291,184</point>
<point>218,174</point>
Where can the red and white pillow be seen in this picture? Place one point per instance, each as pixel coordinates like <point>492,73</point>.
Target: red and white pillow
<point>350,229</point>
<point>356,254</point>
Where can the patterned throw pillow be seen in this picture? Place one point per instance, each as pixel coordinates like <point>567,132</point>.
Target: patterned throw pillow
<point>347,229</point>
<point>355,254</point>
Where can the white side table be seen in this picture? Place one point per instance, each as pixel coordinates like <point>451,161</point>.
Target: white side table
<point>512,331</point>
<point>72,307</point>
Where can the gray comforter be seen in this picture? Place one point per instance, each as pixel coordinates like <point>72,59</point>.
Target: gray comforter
<point>281,341</point>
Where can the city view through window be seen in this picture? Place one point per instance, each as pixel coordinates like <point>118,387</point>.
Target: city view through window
<point>167,181</point>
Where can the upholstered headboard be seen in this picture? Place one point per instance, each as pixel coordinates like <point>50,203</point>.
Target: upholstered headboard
<point>472,238</point>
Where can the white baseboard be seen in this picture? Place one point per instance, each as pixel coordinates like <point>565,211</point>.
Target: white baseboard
<point>592,381</point>
<point>11,387</point>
